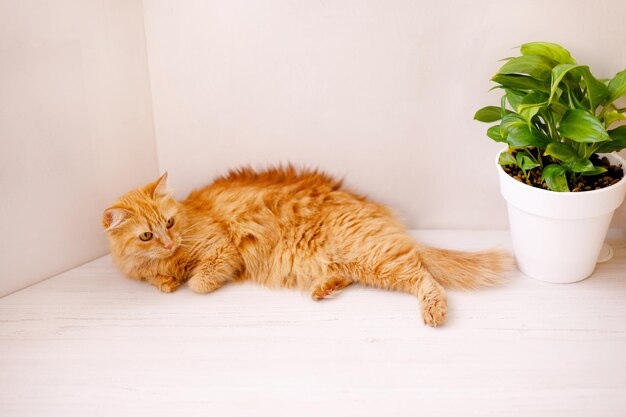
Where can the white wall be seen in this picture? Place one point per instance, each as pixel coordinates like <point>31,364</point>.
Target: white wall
<point>75,129</point>
<point>382,92</point>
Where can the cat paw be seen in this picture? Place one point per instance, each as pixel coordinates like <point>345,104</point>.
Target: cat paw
<point>168,284</point>
<point>434,311</point>
<point>329,288</point>
<point>201,285</point>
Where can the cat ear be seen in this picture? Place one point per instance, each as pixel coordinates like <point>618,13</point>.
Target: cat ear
<point>113,217</point>
<point>159,187</point>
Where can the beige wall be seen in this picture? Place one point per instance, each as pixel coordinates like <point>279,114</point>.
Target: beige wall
<point>75,129</point>
<point>382,92</point>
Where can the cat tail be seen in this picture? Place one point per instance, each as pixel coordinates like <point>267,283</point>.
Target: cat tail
<point>466,270</point>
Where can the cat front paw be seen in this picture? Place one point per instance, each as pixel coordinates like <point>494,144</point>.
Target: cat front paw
<point>167,284</point>
<point>330,288</point>
<point>202,284</point>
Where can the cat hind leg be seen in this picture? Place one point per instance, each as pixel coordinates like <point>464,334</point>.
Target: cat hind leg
<point>433,300</point>
<point>394,264</point>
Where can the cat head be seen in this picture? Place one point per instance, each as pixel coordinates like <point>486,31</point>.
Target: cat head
<point>145,223</point>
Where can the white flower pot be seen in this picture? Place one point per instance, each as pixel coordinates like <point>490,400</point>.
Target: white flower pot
<point>557,237</point>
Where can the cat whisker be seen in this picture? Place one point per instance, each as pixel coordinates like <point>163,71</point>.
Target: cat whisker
<point>190,228</point>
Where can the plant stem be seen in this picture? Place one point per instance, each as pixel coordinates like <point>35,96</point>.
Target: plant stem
<point>553,132</point>
<point>611,106</point>
<point>591,150</point>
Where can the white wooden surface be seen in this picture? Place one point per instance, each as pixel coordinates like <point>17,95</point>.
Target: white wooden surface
<point>90,342</point>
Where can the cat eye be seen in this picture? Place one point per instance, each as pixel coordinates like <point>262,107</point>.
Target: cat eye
<point>170,222</point>
<point>145,236</point>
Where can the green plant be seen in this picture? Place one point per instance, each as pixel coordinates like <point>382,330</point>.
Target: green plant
<point>554,114</point>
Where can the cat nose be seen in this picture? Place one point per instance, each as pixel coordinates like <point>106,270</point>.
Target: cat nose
<point>169,245</point>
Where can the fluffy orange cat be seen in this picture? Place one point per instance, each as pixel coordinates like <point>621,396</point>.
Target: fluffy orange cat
<point>283,228</point>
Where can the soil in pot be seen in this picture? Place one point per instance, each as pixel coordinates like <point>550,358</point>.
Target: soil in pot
<point>613,174</point>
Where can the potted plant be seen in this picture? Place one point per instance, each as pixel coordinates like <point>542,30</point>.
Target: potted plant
<point>558,173</point>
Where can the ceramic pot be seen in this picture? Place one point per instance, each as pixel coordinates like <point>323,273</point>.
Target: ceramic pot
<point>557,237</point>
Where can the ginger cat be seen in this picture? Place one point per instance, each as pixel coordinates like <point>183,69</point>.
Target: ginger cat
<point>284,228</point>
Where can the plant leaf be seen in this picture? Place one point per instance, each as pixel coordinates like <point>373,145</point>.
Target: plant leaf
<point>514,98</point>
<point>612,117</point>
<point>558,183</point>
<point>552,170</point>
<point>488,114</point>
<point>559,109</point>
<point>529,111</point>
<point>561,151</point>
<point>506,159</point>
<point>597,92</point>
<point>536,66</point>
<point>522,135</point>
<point>583,165</point>
<point>511,121</point>
<point>531,104</point>
<point>528,163</point>
<point>594,171</point>
<point>520,82</point>
<point>617,86</point>
<point>619,133</point>
<point>549,50</point>
<point>558,73</point>
<point>494,133</point>
<point>617,142</point>
<point>575,103</point>
<point>581,126</point>
<point>554,176</point>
